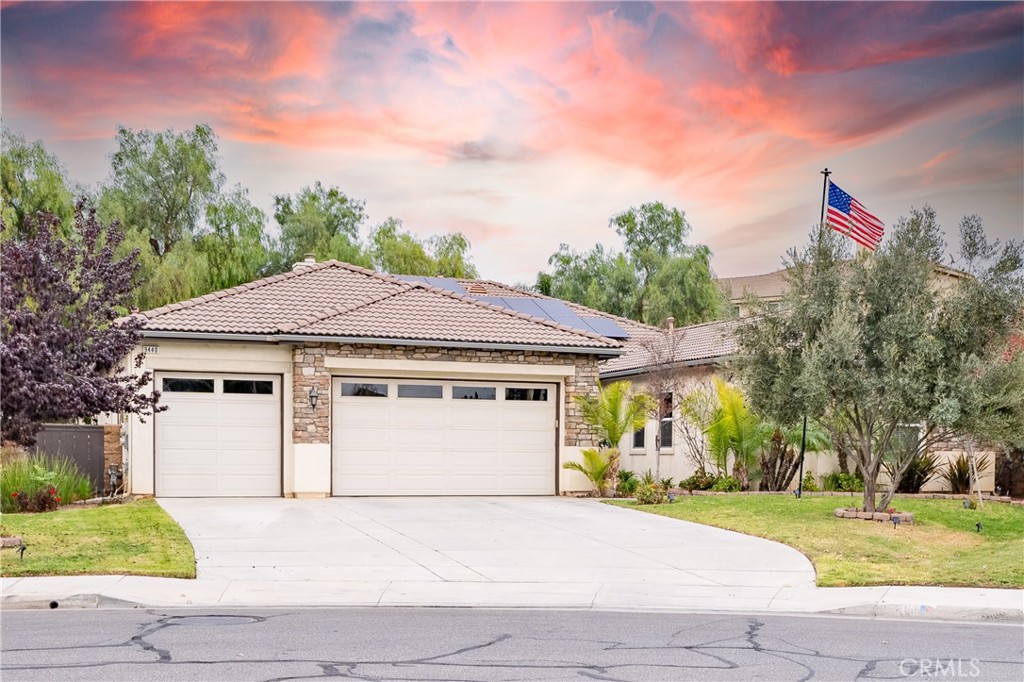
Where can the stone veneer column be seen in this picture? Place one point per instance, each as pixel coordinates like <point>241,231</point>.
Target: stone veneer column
<point>577,432</point>
<point>111,453</point>
<point>311,427</point>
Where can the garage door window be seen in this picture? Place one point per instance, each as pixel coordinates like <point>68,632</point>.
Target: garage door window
<point>419,391</point>
<point>249,386</point>
<point>365,390</point>
<point>188,385</point>
<point>538,394</point>
<point>474,393</point>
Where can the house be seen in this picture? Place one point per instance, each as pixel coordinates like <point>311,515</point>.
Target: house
<point>336,380</point>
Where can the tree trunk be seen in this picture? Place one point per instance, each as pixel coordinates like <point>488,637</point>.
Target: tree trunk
<point>871,486</point>
<point>844,467</point>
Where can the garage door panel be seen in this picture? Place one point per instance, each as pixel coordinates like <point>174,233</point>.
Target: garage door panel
<point>442,446</point>
<point>219,444</point>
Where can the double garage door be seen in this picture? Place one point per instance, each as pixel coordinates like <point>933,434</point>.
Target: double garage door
<point>221,437</point>
<point>423,437</point>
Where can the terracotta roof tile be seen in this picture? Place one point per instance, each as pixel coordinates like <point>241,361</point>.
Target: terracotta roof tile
<point>430,314</point>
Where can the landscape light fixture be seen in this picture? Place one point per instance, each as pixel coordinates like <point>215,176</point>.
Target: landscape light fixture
<point>313,397</point>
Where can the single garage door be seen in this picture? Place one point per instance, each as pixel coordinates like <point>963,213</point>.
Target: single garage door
<point>220,435</point>
<point>421,437</point>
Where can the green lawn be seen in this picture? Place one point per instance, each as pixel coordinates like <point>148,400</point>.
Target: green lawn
<point>942,548</point>
<point>136,538</point>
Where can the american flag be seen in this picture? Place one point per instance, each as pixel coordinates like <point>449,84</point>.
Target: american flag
<point>848,216</point>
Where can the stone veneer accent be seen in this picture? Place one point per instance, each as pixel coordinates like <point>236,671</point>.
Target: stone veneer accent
<point>111,452</point>
<point>309,370</point>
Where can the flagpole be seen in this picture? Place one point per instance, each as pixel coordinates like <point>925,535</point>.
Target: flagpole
<point>824,193</point>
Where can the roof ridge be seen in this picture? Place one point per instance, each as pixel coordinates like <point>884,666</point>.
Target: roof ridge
<point>333,311</point>
<point>224,293</point>
<point>537,294</point>
<point>515,313</point>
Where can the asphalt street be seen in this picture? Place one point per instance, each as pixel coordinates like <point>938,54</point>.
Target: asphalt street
<point>474,644</point>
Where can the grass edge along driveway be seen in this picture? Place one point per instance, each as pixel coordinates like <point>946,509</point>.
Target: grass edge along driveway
<point>943,548</point>
<point>134,538</point>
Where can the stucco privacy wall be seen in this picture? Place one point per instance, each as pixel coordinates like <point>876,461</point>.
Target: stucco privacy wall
<point>314,364</point>
<point>174,355</point>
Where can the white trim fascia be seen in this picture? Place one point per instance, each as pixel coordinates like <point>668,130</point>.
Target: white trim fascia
<point>423,343</point>
<point>429,343</point>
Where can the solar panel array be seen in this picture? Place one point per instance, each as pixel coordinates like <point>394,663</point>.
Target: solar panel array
<point>557,311</point>
<point>544,308</point>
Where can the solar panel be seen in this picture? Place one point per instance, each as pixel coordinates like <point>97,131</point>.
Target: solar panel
<point>606,327</point>
<point>526,306</point>
<point>559,312</point>
<point>446,283</point>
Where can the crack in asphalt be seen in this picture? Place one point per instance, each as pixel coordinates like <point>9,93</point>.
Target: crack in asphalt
<point>751,636</point>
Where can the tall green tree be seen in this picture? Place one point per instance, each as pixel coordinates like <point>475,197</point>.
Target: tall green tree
<point>320,220</point>
<point>31,181</point>
<point>235,242</point>
<point>656,275</point>
<point>394,250</point>
<point>868,344</point>
<point>162,183</point>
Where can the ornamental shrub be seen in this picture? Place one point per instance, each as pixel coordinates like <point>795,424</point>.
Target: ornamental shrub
<point>25,485</point>
<point>726,484</point>
<point>701,480</point>
<point>650,493</point>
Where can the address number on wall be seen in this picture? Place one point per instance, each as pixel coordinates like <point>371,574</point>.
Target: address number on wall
<point>150,349</point>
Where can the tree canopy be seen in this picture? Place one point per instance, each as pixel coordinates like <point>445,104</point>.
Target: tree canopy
<point>60,349</point>
<point>869,344</point>
<point>656,275</point>
<point>31,180</point>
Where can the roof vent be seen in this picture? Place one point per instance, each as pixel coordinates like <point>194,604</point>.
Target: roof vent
<point>670,323</point>
<point>308,259</point>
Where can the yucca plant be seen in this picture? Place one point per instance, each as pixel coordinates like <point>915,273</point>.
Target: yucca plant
<point>958,473</point>
<point>596,466</point>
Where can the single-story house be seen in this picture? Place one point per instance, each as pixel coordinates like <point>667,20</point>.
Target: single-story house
<point>335,380</point>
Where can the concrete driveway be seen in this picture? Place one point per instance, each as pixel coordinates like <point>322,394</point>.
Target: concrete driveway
<point>536,551</point>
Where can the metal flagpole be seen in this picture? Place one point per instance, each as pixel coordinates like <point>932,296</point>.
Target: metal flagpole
<point>803,433</point>
<point>824,194</point>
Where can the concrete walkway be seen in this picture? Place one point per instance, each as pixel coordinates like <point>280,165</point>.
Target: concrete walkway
<point>542,552</point>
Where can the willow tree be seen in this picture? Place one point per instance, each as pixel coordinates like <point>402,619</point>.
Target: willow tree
<point>871,344</point>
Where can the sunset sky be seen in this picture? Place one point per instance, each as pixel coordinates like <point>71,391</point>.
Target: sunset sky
<point>527,125</point>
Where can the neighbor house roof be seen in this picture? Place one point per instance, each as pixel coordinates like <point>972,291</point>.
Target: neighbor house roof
<point>768,286</point>
<point>343,301</point>
<point>694,345</point>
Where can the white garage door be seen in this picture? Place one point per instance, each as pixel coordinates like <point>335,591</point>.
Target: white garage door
<point>421,437</point>
<point>220,435</point>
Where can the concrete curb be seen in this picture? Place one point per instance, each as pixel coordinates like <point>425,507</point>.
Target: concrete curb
<point>826,606</point>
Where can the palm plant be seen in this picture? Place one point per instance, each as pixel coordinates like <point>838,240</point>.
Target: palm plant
<point>614,412</point>
<point>596,466</point>
<point>736,431</point>
<point>780,458</point>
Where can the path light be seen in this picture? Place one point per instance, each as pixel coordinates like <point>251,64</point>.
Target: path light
<point>978,526</point>
<point>895,522</point>
<point>313,397</point>
<point>966,505</point>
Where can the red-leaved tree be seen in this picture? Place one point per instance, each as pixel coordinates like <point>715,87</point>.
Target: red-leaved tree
<point>61,351</point>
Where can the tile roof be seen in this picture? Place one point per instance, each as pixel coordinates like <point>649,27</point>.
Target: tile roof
<point>338,299</point>
<point>429,313</point>
<point>696,344</point>
<point>770,285</point>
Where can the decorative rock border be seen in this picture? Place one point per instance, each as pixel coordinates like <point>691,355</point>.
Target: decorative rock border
<point>882,517</point>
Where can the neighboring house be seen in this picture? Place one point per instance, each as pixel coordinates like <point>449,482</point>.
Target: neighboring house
<point>769,288</point>
<point>335,380</point>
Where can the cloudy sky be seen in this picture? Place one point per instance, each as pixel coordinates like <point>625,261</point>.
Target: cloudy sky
<point>526,125</point>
